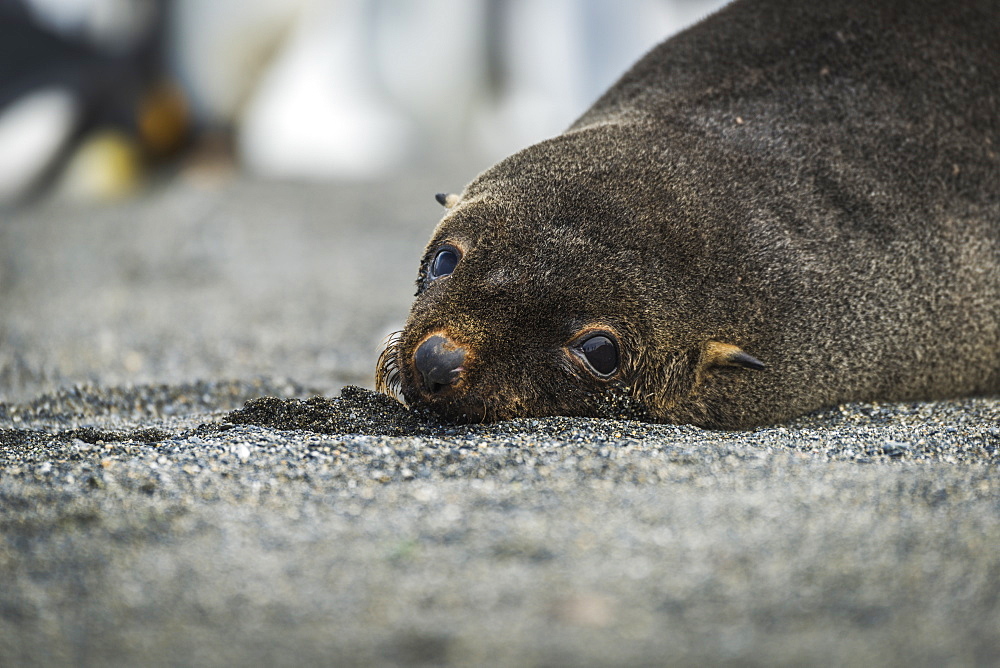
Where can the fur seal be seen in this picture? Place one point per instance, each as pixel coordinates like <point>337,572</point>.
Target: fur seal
<point>787,206</point>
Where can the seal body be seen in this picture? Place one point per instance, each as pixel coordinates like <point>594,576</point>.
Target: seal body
<point>787,206</point>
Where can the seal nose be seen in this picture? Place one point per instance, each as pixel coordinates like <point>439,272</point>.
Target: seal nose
<point>439,361</point>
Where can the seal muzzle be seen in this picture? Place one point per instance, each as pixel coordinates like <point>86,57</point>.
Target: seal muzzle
<point>439,361</point>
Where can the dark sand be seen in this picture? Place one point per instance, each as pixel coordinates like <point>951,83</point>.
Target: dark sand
<point>150,516</point>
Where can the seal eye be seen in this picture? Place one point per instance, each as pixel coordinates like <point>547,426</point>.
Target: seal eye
<point>444,262</point>
<point>600,353</point>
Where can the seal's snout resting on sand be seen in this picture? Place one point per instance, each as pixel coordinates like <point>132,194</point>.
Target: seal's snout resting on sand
<point>787,206</point>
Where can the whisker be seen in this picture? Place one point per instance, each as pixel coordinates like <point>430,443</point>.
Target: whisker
<point>387,380</point>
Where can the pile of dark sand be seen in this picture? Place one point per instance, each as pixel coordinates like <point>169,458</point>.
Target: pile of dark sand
<point>155,525</point>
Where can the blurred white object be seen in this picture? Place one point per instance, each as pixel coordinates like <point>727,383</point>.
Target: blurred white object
<point>219,48</point>
<point>559,56</point>
<point>357,88</point>
<point>33,130</point>
<point>111,24</point>
<point>314,114</point>
<point>430,60</point>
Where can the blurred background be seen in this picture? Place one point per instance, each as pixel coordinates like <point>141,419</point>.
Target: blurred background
<point>233,188</point>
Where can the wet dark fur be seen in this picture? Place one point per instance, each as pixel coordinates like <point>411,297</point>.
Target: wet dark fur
<point>816,183</point>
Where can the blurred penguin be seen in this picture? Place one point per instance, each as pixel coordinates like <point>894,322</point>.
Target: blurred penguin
<point>84,104</point>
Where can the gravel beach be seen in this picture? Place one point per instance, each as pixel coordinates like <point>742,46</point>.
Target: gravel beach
<point>190,475</point>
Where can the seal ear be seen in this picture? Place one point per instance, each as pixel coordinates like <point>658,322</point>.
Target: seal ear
<point>446,200</point>
<point>725,354</point>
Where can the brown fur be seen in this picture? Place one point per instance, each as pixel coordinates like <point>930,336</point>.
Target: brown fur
<point>813,185</point>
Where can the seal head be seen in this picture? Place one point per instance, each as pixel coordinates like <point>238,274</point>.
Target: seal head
<point>535,295</point>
